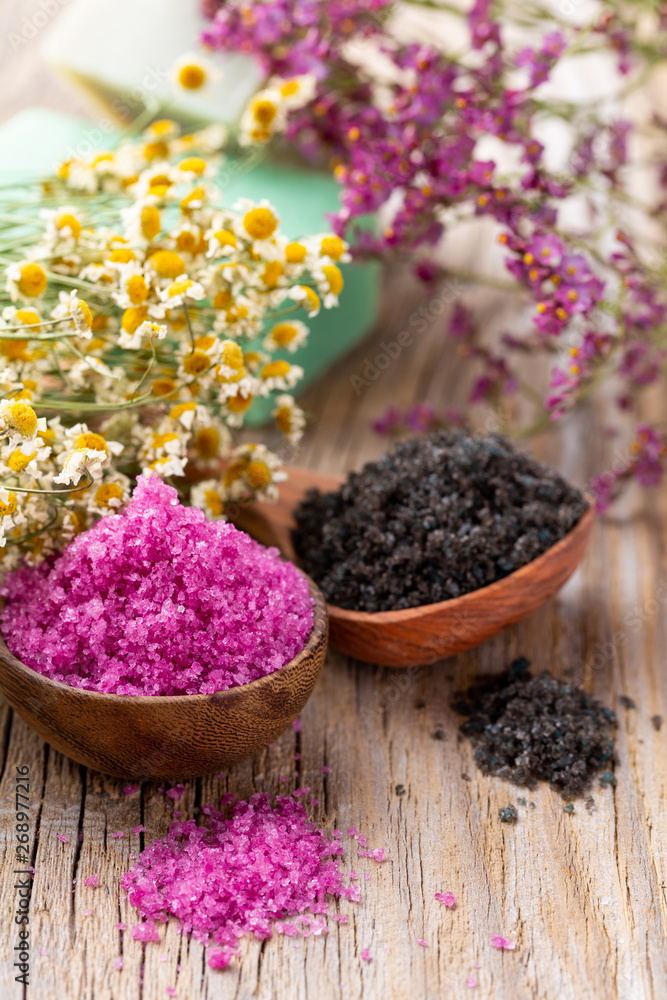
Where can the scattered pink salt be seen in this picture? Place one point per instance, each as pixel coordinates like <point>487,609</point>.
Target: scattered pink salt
<point>326,770</point>
<point>145,932</point>
<point>222,776</point>
<point>502,943</point>
<point>366,954</point>
<point>422,942</point>
<point>176,793</point>
<point>117,834</point>
<point>176,814</point>
<point>120,926</point>
<point>138,829</point>
<point>219,958</point>
<point>118,962</point>
<point>362,840</point>
<point>448,899</point>
<point>44,952</point>
<point>62,838</point>
<point>87,913</point>
<point>130,789</point>
<point>171,992</point>
<point>93,880</point>
<point>471,982</point>
<point>296,725</point>
<point>366,876</point>
<point>263,863</point>
<point>105,615</point>
<point>351,831</point>
<point>297,756</point>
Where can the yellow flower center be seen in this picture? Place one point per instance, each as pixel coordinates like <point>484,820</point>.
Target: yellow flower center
<point>275,369</point>
<point>260,223</point>
<point>14,350</point>
<point>167,264</point>
<point>204,343</point>
<point>232,355</point>
<point>284,333</point>
<point>21,418</point>
<point>258,475</point>
<point>32,281</point>
<point>121,256</point>
<point>163,126</point>
<point>27,316</point>
<point>133,317</point>
<point>163,387</point>
<point>196,195</point>
<point>100,323</point>
<point>264,111</point>
<point>334,278</point>
<point>160,440</point>
<point>96,344</point>
<point>284,419</point>
<point>272,272</point>
<point>289,88</point>
<point>207,442</point>
<point>225,238</point>
<point>186,241</point>
<point>196,363</point>
<point>311,301</point>
<point>295,253</point>
<point>150,222</point>
<point>17,461</point>
<point>156,151</point>
<point>85,310</point>
<point>95,442</point>
<point>239,404</point>
<point>181,408</point>
<point>137,289</point>
<point>179,288</point>
<point>193,165</point>
<point>222,299</point>
<point>214,503</point>
<point>234,472</point>
<point>192,76</point>
<point>332,246</point>
<point>107,492</point>
<point>68,221</point>
<point>9,505</point>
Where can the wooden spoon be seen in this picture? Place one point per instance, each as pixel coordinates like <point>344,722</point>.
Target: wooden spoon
<point>418,636</point>
<point>166,737</point>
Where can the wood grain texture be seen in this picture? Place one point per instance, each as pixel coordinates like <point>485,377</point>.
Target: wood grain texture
<point>171,737</point>
<point>585,896</point>
<point>423,635</point>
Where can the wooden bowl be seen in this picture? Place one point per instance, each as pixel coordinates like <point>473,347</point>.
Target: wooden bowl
<point>180,736</point>
<point>418,636</point>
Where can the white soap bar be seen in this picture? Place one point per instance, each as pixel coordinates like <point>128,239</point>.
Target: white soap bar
<point>122,54</point>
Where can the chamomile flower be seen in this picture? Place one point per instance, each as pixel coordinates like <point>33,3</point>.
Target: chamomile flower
<point>295,91</point>
<point>287,335</point>
<point>329,281</point>
<point>145,331</point>
<point>19,421</point>
<point>109,496</point>
<point>142,220</point>
<point>26,280</point>
<point>290,418</point>
<point>193,74</point>
<point>253,472</point>
<point>307,297</point>
<point>209,496</point>
<point>11,515</point>
<point>264,115</point>
<point>77,463</point>
<point>279,375</point>
<point>63,226</point>
<point>180,290</point>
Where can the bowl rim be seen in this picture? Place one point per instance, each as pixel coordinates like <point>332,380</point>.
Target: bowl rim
<point>403,615</point>
<point>318,635</point>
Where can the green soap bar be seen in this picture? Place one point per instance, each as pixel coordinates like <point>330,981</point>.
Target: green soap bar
<point>35,140</point>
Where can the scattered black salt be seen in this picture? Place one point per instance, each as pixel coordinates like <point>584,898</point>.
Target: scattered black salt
<point>400,789</point>
<point>508,814</point>
<point>569,808</point>
<point>626,702</point>
<point>657,722</point>
<point>528,729</point>
<point>435,518</point>
<point>438,734</point>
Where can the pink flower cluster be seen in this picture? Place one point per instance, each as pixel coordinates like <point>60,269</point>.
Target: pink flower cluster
<point>263,868</point>
<point>157,601</point>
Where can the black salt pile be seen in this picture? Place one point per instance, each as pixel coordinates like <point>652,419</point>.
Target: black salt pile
<point>433,519</point>
<point>527,729</point>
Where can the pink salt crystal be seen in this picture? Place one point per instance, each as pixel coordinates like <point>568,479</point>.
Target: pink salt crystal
<point>282,778</point>
<point>366,954</point>
<point>296,725</point>
<point>297,756</point>
<point>314,802</point>
<point>120,927</point>
<point>351,831</point>
<point>44,952</point>
<point>447,898</point>
<point>130,789</point>
<point>379,854</point>
<point>176,793</point>
<point>161,791</point>
<point>362,840</point>
<point>222,776</point>
<point>502,943</point>
<point>87,913</point>
<point>62,838</point>
<point>171,992</point>
<point>81,838</point>
<point>353,874</point>
<point>93,880</point>
<point>117,834</point>
<point>326,770</point>
<point>163,958</point>
<point>228,878</point>
<point>118,962</point>
<point>366,876</point>
<point>471,982</point>
<point>145,932</point>
<point>176,814</point>
<point>422,942</point>
<point>138,829</point>
<point>104,615</point>
<point>219,958</point>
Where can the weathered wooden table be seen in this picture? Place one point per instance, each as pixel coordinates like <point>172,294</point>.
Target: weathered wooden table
<point>582,895</point>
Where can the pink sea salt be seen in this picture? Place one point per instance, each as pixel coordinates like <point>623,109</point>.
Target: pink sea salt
<point>265,867</point>
<point>448,899</point>
<point>176,793</point>
<point>118,963</point>
<point>130,789</point>
<point>502,943</point>
<point>117,834</point>
<point>62,838</point>
<point>145,932</point>
<point>423,943</point>
<point>93,880</point>
<point>157,601</point>
<point>138,829</point>
<point>366,954</point>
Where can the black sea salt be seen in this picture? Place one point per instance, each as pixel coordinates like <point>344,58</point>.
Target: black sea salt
<point>435,518</point>
<point>527,729</point>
